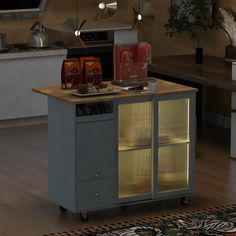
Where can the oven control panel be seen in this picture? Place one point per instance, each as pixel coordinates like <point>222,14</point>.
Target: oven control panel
<point>96,37</point>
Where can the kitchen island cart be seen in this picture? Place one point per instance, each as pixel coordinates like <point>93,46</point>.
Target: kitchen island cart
<point>120,149</point>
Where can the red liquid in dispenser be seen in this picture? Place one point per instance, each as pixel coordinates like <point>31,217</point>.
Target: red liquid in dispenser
<point>130,63</point>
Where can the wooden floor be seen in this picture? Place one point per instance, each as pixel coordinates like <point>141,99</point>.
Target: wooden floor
<point>25,210</point>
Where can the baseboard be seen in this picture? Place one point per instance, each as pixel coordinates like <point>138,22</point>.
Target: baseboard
<point>208,117</point>
<point>28,121</point>
<point>216,119</point>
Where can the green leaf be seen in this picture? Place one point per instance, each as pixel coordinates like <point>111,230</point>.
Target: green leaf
<point>192,16</point>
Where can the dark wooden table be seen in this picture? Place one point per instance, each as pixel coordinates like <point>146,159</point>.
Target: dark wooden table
<point>183,69</point>
<point>212,72</point>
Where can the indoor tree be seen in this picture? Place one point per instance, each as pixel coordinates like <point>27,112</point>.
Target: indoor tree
<point>192,16</point>
<point>229,26</point>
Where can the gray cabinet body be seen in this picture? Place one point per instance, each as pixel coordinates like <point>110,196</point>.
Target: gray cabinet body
<point>83,156</point>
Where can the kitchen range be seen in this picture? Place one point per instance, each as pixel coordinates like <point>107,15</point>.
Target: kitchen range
<point>99,45</point>
<point>41,66</point>
<point>37,40</point>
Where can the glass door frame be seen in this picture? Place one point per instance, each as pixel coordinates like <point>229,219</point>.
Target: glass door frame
<point>116,128</point>
<point>192,145</point>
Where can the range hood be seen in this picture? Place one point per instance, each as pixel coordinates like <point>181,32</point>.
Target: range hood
<point>101,31</point>
<point>91,26</point>
<point>65,32</point>
<point>21,8</point>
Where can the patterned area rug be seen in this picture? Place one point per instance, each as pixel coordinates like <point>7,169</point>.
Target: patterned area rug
<point>217,221</point>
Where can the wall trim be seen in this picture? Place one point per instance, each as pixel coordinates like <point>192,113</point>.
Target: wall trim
<point>208,117</point>
<point>27,121</point>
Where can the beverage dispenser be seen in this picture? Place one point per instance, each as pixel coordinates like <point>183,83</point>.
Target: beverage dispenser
<point>130,63</point>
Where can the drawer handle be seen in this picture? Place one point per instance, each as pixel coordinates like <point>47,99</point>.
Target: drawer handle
<point>96,175</point>
<point>96,194</point>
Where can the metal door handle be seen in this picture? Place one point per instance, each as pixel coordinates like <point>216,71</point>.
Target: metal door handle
<point>96,175</point>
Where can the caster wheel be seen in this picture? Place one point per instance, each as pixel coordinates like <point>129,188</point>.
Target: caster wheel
<point>124,207</point>
<point>62,209</point>
<point>184,201</point>
<point>84,216</point>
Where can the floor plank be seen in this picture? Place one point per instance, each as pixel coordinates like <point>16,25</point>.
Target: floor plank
<point>26,211</point>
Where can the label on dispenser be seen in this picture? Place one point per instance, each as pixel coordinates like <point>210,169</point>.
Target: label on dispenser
<point>131,61</point>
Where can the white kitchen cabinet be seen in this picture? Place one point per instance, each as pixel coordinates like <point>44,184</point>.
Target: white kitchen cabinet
<point>20,74</point>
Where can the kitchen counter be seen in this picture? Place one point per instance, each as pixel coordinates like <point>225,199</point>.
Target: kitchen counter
<point>164,88</point>
<point>22,70</point>
<point>33,53</point>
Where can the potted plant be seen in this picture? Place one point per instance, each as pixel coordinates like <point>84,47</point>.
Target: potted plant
<point>194,17</point>
<point>229,26</point>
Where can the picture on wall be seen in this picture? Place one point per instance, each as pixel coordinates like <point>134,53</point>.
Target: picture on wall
<point>194,11</point>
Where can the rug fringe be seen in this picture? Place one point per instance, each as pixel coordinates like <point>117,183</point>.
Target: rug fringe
<point>143,220</point>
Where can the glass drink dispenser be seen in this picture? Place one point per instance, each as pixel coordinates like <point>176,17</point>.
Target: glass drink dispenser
<point>130,64</point>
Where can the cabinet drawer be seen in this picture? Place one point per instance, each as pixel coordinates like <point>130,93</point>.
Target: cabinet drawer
<point>95,194</point>
<point>95,150</point>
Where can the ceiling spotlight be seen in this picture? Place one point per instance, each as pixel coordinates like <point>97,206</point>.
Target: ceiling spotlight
<point>77,33</point>
<point>75,25</point>
<point>102,5</point>
<point>105,9</point>
<point>142,12</point>
<point>139,17</point>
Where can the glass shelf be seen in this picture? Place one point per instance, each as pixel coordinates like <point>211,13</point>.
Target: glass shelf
<point>173,120</point>
<point>128,148</point>
<point>172,181</point>
<point>171,141</point>
<point>135,173</point>
<point>173,166</point>
<point>135,124</point>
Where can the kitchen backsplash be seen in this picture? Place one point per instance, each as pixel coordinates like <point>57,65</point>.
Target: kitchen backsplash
<point>57,11</point>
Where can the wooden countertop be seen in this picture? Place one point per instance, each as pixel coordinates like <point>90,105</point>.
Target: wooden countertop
<point>212,72</point>
<point>164,88</point>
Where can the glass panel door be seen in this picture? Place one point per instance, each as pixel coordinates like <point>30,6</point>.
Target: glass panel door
<point>173,145</point>
<point>135,149</point>
<point>173,121</point>
<point>135,168</point>
<point>173,167</point>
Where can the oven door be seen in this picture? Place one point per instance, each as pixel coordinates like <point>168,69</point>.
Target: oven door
<point>102,51</point>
